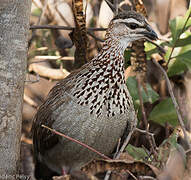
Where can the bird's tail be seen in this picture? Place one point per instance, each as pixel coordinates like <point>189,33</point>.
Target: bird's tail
<point>42,172</point>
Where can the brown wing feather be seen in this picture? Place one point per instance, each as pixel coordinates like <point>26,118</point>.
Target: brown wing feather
<point>43,139</point>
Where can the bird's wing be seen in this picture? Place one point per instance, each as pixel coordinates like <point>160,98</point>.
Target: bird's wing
<point>44,139</point>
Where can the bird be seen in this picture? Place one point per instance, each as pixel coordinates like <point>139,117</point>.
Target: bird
<point>92,104</point>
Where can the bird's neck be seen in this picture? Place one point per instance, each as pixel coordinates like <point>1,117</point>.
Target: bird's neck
<point>116,43</point>
<point>109,63</point>
<point>112,54</point>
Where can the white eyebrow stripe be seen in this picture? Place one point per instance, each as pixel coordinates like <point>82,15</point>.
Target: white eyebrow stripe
<point>129,20</point>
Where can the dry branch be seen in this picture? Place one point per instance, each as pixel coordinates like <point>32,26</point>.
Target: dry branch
<point>30,101</point>
<point>63,27</point>
<point>54,58</point>
<point>145,121</point>
<point>48,72</point>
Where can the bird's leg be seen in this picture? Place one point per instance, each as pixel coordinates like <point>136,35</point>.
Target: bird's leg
<point>64,172</point>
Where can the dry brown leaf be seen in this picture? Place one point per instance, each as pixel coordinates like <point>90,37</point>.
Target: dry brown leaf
<point>28,114</point>
<point>48,72</point>
<point>30,101</point>
<point>125,157</point>
<point>175,166</point>
<point>121,168</point>
<point>39,89</point>
<point>26,140</point>
<point>129,72</point>
<point>75,175</point>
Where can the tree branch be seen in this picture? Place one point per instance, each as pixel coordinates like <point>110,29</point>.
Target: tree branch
<point>63,27</point>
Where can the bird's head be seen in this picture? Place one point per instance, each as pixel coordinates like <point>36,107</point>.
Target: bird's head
<point>130,26</point>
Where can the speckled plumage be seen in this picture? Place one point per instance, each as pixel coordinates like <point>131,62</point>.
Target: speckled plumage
<point>92,105</point>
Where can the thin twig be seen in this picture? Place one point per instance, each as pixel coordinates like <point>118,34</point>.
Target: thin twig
<point>86,6</point>
<point>147,178</point>
<point>146,151</point>
<point>160,48</point>
<point>108,174</point>
<point>144,132</point>
<point>33,81</point>
<point>37,4</point>
<point>51,27</point>
<point>125,143</point>
<point>43,12</point>
<point>63,27</point>
<point>112,7</point>
<point>39,59</point>
<point>96,29</point>
<point>76,141</point>
<point>116,5</point>
<point>120,151</point>
<point>141,102</point>
<point>30,101</point>
<point>38,22</point>
<point>96,38</point>
<point>60,14</point>
<point>170,90</point>
<point>131,174</point>
<point>117,149</point>
<point>150,134</point>
<point>145,119</point>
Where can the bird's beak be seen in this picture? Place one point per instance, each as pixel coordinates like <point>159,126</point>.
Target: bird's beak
<point>150,33</point>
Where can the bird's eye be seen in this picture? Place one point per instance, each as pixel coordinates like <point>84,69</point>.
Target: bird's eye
<point>133,25</point>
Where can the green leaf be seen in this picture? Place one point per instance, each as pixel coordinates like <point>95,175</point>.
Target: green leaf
<point>184,41</point>
<point>150,49</point>
<point>180,25</point>
<point>172,139</point>
<point>151,96</point>
<point>164,112</point>
<point>132,86</point>
<point>185,58</point>
<point>182,61</point>
<point>168,145</point>
<point>167,54</point>
<point>136,153</point>
<point>176,67</point>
